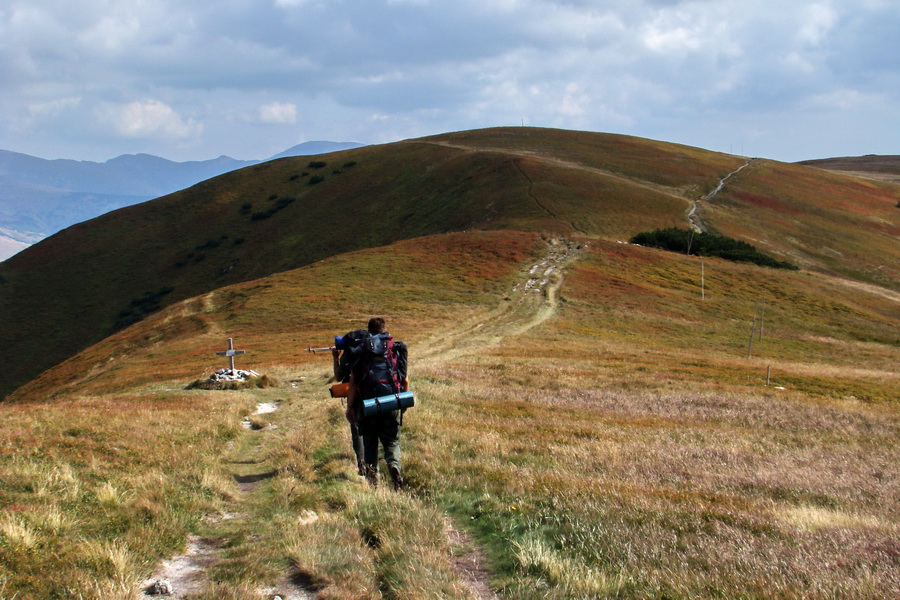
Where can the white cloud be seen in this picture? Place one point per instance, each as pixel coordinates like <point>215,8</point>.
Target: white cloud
<point>277,113</point>
<point>52,108</point>
<point>847,100</point>
<point>423,66</point>
<point>291,3</point>
<point>667,38</point>
<point>153,119</point>
<point>111,34</point>
<point>819,19</point>
<point>574,101</point>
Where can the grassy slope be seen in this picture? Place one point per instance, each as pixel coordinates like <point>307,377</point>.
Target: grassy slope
<point>614,439</point>
<point>885,168</point>
<point>625,446</point>
<point>94,275</point>
<point>200,239</point>
<point>830,222</point>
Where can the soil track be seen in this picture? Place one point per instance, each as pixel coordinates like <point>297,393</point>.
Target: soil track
<point>567,164</point>
<point>694,220</point>
<point>186,575</point>
<point>532,300</point>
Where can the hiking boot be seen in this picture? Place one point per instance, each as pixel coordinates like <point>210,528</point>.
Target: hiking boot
<point>361,468</point>
<point>396,478</point>
<point>372,475</point>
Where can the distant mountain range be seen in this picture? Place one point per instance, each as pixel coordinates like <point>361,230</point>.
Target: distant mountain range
<point>39,197</point>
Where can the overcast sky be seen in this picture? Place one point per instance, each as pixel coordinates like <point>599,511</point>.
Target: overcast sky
<point>194,79</point>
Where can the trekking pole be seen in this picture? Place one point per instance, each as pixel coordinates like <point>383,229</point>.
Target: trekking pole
<point>315,350</point>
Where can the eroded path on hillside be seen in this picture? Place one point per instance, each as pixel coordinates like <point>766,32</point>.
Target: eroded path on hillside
<point>694,220</point>
<point>533,299</point>
<point>188,574</point>
<point>567,164</point>
<point>530,301</point>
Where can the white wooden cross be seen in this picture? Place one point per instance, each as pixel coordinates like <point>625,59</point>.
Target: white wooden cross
<point>231,352</point>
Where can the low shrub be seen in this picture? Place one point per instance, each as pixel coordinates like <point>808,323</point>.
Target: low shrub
<point>707,244</point>
<point>138,308</point>
<point>261,382</point>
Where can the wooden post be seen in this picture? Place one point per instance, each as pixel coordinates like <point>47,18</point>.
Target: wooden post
<point>752,331</point>
<point>230,353</point>
<point>768,375</point>
<point>702,281</point>
<point>762,319</point>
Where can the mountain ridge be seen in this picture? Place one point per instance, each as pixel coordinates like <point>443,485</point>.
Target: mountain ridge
<point>43,196</point>
<point>591,419</point>
<point>875,166</point>
<point>97,277</point>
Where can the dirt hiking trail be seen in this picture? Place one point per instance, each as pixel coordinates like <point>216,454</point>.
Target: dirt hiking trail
<point>531,301</point>
<point>186,576</point>
<point>694,221</point>
<point>561,162</point>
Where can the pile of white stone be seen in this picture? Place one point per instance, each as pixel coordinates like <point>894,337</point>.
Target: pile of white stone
<point>233,375</point>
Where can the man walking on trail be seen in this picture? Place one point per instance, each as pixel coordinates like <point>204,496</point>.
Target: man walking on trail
<point>343,361</point>
<point>379,369</point>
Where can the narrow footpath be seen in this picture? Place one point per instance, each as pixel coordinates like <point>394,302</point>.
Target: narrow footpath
<point>694,220</point>
<point>531,300</point>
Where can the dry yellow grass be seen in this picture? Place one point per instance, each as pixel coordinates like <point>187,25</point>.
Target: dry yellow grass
<point>619,444</point>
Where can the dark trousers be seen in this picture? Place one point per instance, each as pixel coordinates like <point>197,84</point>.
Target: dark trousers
<point>383,428</point>
<point>357,440</point>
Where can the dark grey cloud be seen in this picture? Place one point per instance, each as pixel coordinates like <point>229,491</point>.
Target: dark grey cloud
<point>193,80</point>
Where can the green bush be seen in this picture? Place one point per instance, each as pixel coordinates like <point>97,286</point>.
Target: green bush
<point>707,244</point>
<point>209,244</point>
<point>316,179</point>
<point>317,164</point>
<point>138,308</point>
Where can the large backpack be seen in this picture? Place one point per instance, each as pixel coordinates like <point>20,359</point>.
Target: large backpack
<point>351,342</point>
<point>381,365</point>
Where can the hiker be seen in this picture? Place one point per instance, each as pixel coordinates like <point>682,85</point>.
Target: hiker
<point>379,370</point>
<point>343,360</point>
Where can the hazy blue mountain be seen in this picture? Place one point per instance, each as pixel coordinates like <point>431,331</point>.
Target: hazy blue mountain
<point>39,197</point>
<point>308,148</point>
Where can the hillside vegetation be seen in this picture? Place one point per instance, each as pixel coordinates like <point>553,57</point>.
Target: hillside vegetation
<point>593,419</point>
<point>86,282</point>
<point>587,426</point>
<point>874,166</point>
<point>688,242</point>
